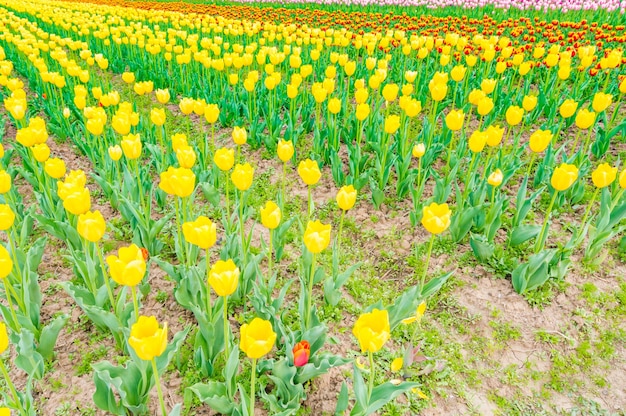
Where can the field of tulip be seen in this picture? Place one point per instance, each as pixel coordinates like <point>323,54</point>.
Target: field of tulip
<point>352,207</point>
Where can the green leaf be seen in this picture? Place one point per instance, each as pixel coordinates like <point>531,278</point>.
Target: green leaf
<point>482,248</point>
<point>383,394</point>
<point>523,233</point>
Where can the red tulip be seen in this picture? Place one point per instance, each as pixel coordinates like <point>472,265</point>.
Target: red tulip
<point>301,353</point>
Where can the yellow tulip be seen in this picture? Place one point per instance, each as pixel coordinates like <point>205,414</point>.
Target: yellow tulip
<point>601,102</point>
<point>178,181</point>
<point>91,226</point>
<point>390,92</point>
<point>334,105</point>
<point>162,95</point>
<point>436,218</point>
<point>211,113</point>
<point>242,176</point>
<point>240,136</point>
<point>622,86</point>
<point>392,124</point>
<point>458,73</point>
<point>78,202</point>
<point>41,152</point>
<point>346,197</point>
<point>129,268</point>
<point>285,150</point>
<point>5,182</point>
<point>224,277</point>
<point>568,108</point>
<point>540,140</point>
<point>316,236</point>
<point>477,141</point>
<point>514,115</point>
<point>186,157</point>
<point>362,111</point>
<point>128,77</point>
<point>224,158</point>
<point>361,95</point>
<point>179,141</point>
<point>454,120</point>
<point>529,102</point>
<point>564,176</point>
<point>585,119</point>
<point>604,175</point>
<point>257,338</point>
<point>6,264</point>
<point>488,85</point>
<point>4,340</point>
<point>270,215</point>
<point>202,232</point>
<point>372,330</point>
<point>485,105</point>
<point>131,146</point>
<point>147,339</point>
<point>413,108</point>
<point>494,135</point>
<point>55,167</point>
<point>419,150</point>
<point>115,152</point>
<point>186,105</point>
<point>475,96</point>
<point>121,123</point>
<point>495,178</point>
<point>157,116</point>
<point>7,217</point>
<point>438,91</point>
<point>309,172</point>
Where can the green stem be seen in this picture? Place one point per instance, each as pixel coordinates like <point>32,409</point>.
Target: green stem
<point>242,232</point>
<point>16,398</point>
<point>530,164</point>
<point>282,200</point>
<point>252,386</point>
<point>209,307</point>
<point>309,211</point>
<point>227,197</point>
<point>18,268</point>
<point>269,256</point>
<point>371,379</point>
<point>343,214</point>
<point>135,302</point>
<point>427,262</point>
<point>106,278</point>
<point>155,370</point>
<point>539,243</point>
<point>469,176</point>
<point>13,315</point>
<point>307,320</point>
<point>226,331</point>
<point>588,210</point>
<point>179,232</point>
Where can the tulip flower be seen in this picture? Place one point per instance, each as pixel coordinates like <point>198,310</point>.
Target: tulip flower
<point>310,174</point>
<point>224,279</point>
<point>270,218</point>
<point>6,267</point>
<point>115,152</point>
<point>162,95</point>
<point>41,152</point>
<point>316,239</point>
<point>285,151</point>
<point>55,168</point>
<point>202,232</point>
<point>78,202</point>
<point>436,219</point>
<point>301,353</point>
<point>601,102</point>
<point>186,157</point>
<point>149,341</point>
<point>529,102</point>
<point>240,136</point>
<point>180,182</point>
<point>603,176</point>
<point>372,330</point>
<point>128,269</point>
<point>346,198</point>
<point>257,340</point>
<point>568,108</point>
<point>5,182</point>
<point>562,178</point>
